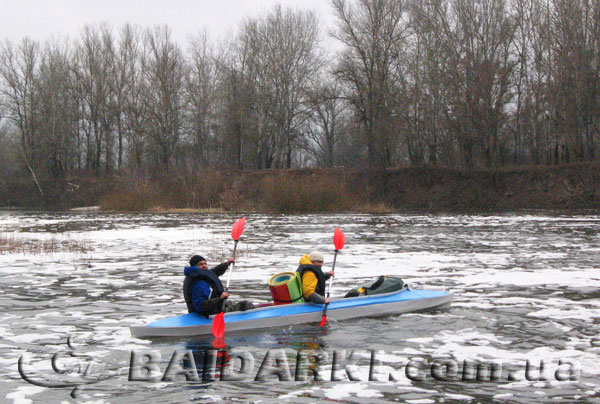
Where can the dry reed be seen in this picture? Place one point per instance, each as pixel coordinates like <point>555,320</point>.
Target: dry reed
<point>13,244</point>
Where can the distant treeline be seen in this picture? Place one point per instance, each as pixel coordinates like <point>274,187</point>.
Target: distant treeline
<point>460,84</point>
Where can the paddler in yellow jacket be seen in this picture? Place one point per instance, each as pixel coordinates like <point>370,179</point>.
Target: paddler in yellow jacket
<point>313,278</point>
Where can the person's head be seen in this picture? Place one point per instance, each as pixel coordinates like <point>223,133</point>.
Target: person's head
<point>316,258</point>
<point>198,261</point>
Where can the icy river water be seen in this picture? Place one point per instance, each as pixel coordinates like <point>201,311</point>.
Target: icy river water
<point>525,310</point>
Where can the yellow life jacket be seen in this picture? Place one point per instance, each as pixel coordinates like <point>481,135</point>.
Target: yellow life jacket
<point>310,279</point>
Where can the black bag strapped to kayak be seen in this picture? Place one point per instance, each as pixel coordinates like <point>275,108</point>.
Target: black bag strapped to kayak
<point>383,284</point>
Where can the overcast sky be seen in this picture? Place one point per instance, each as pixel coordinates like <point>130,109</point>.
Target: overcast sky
<point>41,19</point>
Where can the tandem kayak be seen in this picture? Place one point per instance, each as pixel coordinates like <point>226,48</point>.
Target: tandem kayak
<point>397,302</point>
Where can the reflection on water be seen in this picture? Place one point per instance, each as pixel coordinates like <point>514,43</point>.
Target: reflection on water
<point>526,289</point>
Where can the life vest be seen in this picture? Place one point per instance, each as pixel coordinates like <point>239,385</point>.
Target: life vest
<point>206,275</point>
<point>321,281</point>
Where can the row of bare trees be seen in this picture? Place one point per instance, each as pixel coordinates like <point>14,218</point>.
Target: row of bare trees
<point>453,83</point>
<point>472,83</point>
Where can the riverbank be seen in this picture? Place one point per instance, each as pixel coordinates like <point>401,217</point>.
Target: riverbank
<point>574,186</point>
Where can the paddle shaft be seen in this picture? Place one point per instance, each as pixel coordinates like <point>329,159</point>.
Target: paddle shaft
<point>229,275</point>
<point>232,264</point>
<point>331,279</point>
<point>329,285</point>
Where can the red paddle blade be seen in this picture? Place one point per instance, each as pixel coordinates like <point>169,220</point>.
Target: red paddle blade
<point>219,343</point>
<point>238,229</point>
<point>339,239</point>
<point>218,326</point>
<point>323,321</point>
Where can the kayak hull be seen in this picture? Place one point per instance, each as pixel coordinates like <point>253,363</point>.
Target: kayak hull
<point>398,302</point>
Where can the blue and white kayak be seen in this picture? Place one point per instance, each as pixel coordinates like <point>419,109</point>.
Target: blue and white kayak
<point>397,302</point>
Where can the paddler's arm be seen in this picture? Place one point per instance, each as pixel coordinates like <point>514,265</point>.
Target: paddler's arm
<point>316,298</point>
<point>221,268</point>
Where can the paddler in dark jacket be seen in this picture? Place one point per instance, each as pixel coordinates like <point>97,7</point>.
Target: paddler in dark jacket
<point>313,278</point>
<point>202,289</point>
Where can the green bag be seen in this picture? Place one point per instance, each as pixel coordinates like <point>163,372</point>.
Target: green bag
<point>383,284</point>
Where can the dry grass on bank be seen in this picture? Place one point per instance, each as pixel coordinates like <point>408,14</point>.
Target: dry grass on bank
<point>133,197</point>
<point>216,192</point>
<point>13,244</point>
<point>379,208</point>
<point>288,194</point>
<point>162,209</point>
<point>375,192</point>
<point>573,186</point>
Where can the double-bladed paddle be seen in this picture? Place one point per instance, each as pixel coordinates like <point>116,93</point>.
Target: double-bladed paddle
<point>218,324</point>
<point>339,239</point>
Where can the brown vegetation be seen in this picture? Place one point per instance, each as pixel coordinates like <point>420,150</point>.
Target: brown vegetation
<point>268,190</point>
<point>574,186</point>
<point>15,244</point>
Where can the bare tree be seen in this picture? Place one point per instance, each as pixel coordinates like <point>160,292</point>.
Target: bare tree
<point>201,83</point>
<point>10,166</point>
<point>281,58</point>
<point>163,72</point>
<point>129,92</point>
<point>371,31</point>
<point>426,102</point>
<point>19,70</point>
<point>125,69</point>
<point>328,123</point>
<point>57,112</point>
<point>237,113</point>
<point>94,70</point>
<point>479,36</point>
<point>251,80</point>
